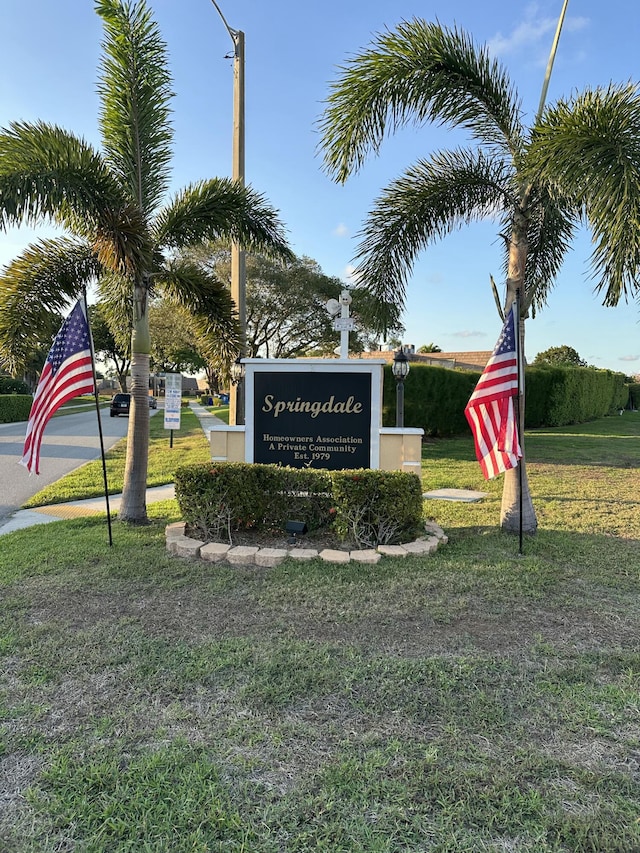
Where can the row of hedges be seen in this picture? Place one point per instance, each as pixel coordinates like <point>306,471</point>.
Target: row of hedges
<point>13,386</point>
<point>435,397</point>
<point>571,395</point>
<point>364,506</point>
<point>15,407</point>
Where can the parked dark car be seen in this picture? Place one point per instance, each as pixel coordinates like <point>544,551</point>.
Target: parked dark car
<point>120,405</point>
<point>153,403</point>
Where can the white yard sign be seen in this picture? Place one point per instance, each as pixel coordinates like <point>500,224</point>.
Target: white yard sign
<point>172,400</point>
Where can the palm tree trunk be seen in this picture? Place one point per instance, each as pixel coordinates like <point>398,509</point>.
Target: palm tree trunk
<point>134,493</point>
<point>516,478</point>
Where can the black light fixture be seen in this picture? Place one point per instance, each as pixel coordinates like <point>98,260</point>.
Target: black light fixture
<point>237,371</point>
<point>400,369</point>
<point>237,379</point>
<point>295,529</point>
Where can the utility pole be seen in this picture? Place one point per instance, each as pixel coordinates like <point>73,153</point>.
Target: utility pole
<point>238,264</point>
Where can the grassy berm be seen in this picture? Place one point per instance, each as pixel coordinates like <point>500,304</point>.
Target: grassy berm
<point>474,700</point>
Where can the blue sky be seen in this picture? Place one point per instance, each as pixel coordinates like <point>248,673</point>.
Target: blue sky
<point>50,58</point>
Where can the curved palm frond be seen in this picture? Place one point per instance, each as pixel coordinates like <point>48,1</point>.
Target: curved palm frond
<point>209,302</point>
<point>135,90</point>
<point>551,230</point>
<point>430,200</point>
<point>47,173</point>
<point>218,208</point>
<point>588,150</point>
<point>422,72</point>
<point>38,285</point>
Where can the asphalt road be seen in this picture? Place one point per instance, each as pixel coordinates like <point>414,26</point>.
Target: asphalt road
<point>69,441</point>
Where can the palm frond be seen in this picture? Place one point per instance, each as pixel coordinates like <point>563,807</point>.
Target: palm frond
<point>552,227</point>
<point>36,287</point>
<point>430,200</point>
<point>421,73</point>
<point>588,150</point>
<point>135,91</point>
<point>48,174</point>
<point>208,300</point>
<point>219,208</point>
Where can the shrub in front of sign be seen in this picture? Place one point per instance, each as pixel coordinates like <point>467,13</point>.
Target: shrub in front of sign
<point>364,506</point>
<point>219,499</point>
<point>377,507</point>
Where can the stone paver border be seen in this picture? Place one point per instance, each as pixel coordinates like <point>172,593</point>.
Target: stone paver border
<point>241,555</point>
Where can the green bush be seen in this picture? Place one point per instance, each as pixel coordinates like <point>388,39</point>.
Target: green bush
<point>556,396</point>
<point>13,386</point>
<point>15,407</point>
<point>376,507</point>
<point>434,399</point>
<point>368,507</point>
<point>219,498</point>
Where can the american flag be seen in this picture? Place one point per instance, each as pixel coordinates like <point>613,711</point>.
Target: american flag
<point>68,372</point>
<point>490,411</point>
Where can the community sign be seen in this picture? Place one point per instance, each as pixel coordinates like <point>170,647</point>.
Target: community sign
<point>316,419</point>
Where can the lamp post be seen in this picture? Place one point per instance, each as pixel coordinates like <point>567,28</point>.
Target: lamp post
<point>400,369</point>
<point>237,384</point>
<point>238,264</point>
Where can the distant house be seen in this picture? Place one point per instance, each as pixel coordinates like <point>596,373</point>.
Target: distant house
<point>460,360</point>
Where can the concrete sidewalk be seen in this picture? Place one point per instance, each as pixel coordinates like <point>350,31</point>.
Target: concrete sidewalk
<point>94,506</point>
<point>76,509</point>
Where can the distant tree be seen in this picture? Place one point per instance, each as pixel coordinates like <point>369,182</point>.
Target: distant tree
<point>174,346</point>
<point>108,347</point>
<point>285,304</point>
<point>429,348</point>
<point>564,356</point>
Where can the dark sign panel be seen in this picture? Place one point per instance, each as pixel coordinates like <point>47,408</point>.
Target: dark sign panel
<point>312,420</point>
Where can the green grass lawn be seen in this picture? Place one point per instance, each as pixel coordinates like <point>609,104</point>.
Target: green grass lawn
<point>474,700</point>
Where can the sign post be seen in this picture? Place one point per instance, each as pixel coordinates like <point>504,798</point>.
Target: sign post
<point>172,403</point>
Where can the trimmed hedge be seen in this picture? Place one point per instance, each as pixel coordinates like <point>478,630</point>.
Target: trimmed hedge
<point>368,507</point>
<point>376,507</point>
<point>556,396</point>
<point>13,386</point>
<point>435,397</point>
<point>15,407</point>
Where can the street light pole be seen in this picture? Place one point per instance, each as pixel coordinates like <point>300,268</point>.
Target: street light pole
<point>238,263</point>
<point>400,369</point>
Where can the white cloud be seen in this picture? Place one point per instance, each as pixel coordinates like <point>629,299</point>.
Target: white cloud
<point>531,31</point>
<point>349,274</point>
<point>630,358</point>
<point>341,230</point>
<point>468,334</point>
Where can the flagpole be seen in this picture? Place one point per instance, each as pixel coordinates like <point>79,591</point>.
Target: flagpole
<point>519,399</point>
<point>95,394</point>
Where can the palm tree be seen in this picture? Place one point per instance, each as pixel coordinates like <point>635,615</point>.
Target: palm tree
<point>578,163</point>
<point>117,232</point>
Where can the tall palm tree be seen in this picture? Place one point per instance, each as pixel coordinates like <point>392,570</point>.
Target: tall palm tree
<point>578,163</point>
<point>117,232</point>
